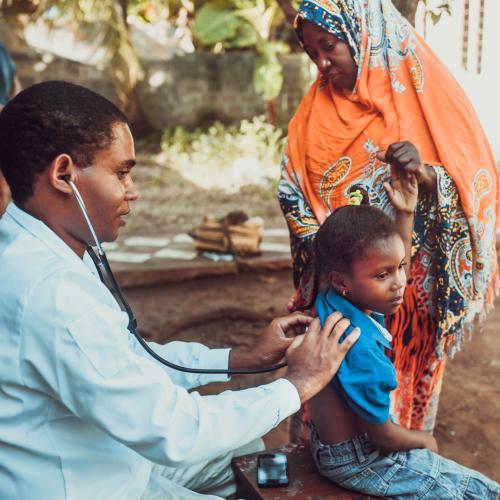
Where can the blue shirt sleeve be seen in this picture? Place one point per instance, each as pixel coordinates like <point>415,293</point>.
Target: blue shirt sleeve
<point>367,379</point>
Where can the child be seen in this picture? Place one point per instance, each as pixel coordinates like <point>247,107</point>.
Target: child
<point>365,257</point>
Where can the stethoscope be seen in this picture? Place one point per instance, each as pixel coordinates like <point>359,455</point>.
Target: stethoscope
<point>102,264</point>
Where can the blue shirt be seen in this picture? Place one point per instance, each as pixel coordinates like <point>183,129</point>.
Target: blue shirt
<point>7,74</point>
<point>366,377</point>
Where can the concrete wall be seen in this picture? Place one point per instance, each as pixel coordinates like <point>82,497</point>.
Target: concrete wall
<point>184,90</point>
<point>36,66</point>
<point>445,38</point>
<point>194,86</point>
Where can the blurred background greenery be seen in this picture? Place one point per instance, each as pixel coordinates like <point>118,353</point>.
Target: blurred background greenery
<point>264,27</point>
<point>211,154</point>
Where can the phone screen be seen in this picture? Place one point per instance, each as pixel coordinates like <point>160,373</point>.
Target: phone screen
<point>272,470</point>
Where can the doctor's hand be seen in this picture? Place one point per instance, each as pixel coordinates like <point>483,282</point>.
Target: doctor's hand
<point>314,358</point>
<point>270,349</point>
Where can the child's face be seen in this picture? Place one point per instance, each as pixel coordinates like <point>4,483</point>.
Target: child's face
<point>377,282</point>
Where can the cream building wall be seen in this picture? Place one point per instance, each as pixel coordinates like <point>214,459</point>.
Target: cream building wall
<point>445,38</point>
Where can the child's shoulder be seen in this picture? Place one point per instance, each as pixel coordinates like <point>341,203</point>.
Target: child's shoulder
<point>368,355</point>
<point>370,339</point>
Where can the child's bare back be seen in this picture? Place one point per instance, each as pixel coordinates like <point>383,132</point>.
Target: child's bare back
<point>334,421</point>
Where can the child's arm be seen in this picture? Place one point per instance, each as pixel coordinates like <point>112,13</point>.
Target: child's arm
<point>403,193</point>
<point>393,437</point>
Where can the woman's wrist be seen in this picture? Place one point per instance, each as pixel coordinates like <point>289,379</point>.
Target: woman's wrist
<point>429,183</point>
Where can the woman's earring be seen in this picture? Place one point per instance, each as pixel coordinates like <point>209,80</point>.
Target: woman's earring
<point>343,293</point>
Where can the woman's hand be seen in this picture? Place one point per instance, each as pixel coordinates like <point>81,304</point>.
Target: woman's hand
<point>405,159</point>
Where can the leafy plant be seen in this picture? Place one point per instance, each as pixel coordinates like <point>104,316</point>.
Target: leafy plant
<point>435,14</point>
<point>229,24</point>
<point>102,21</point>
<point>207,158</point>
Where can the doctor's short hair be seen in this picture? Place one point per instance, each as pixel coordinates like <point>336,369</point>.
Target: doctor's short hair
<point>49,119</point>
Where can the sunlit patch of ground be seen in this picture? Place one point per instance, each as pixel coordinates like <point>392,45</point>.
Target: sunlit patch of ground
<point>168,202</point>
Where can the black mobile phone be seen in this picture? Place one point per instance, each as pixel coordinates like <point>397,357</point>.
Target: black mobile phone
<point>272,470</point>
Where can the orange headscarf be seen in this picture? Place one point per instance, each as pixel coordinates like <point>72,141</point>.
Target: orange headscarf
<point>403,92</point>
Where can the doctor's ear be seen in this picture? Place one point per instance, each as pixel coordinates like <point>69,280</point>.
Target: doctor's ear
<point>337,281</point>
<point>61,170</point>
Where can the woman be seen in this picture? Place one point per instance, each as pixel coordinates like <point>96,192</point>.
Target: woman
<point>382,97</point>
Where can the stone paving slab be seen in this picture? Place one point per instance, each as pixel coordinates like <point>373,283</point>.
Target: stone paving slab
<point>149,260</point>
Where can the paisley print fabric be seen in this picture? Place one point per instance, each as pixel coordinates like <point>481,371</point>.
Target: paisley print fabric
<point>339,18</point>
<point>403,92</point>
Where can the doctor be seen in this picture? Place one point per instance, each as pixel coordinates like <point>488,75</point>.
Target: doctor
<point>85,412</point>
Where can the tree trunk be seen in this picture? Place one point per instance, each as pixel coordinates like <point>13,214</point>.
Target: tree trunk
<point>408,8</point>
<point>287,8</point>
<point>126,67</point>
<point>271,112</point>
<point>124,5</point>
<point>138,122</point>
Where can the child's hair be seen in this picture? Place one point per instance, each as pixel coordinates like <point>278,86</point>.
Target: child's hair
<point>346,236</point>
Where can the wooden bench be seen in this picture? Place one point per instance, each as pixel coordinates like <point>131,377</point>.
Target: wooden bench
<point>306,482</point>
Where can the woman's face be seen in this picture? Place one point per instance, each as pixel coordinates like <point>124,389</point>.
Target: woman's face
<point>330,54</point>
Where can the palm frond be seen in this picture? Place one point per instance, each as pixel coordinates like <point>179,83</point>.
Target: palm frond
<point>100,21</point>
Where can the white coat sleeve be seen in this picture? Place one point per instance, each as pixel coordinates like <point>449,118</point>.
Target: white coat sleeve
<point>189,354</point>
<point>88,366</point>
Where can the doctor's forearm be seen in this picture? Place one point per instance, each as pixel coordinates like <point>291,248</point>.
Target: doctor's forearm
<point>243,359</point>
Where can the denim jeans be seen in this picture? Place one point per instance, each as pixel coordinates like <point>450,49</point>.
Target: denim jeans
<point>357,465</point>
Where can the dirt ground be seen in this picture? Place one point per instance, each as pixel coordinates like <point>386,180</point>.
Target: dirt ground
<point>170,203</point>
<point>468,422</point>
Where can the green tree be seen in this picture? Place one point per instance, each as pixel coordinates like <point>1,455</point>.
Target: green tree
<point>408,9</point>
<point>237,24</point>
<point>104,20</point>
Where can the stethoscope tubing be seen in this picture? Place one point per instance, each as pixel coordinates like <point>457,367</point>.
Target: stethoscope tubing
<point>102,263</point>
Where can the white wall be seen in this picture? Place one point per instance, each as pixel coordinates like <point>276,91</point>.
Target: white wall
<point>445,38</point>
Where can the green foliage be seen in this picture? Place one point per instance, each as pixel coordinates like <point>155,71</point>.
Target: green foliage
<point>214,23</point>
<point>229,24</point>
<point>437,13</point>
<point>152,11</point>
<point>148,11</point>
<point>268,78</point>
<point>445,7</point>
<point>245,37</point>
<point>101,21</point>
<point>207,157</point>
